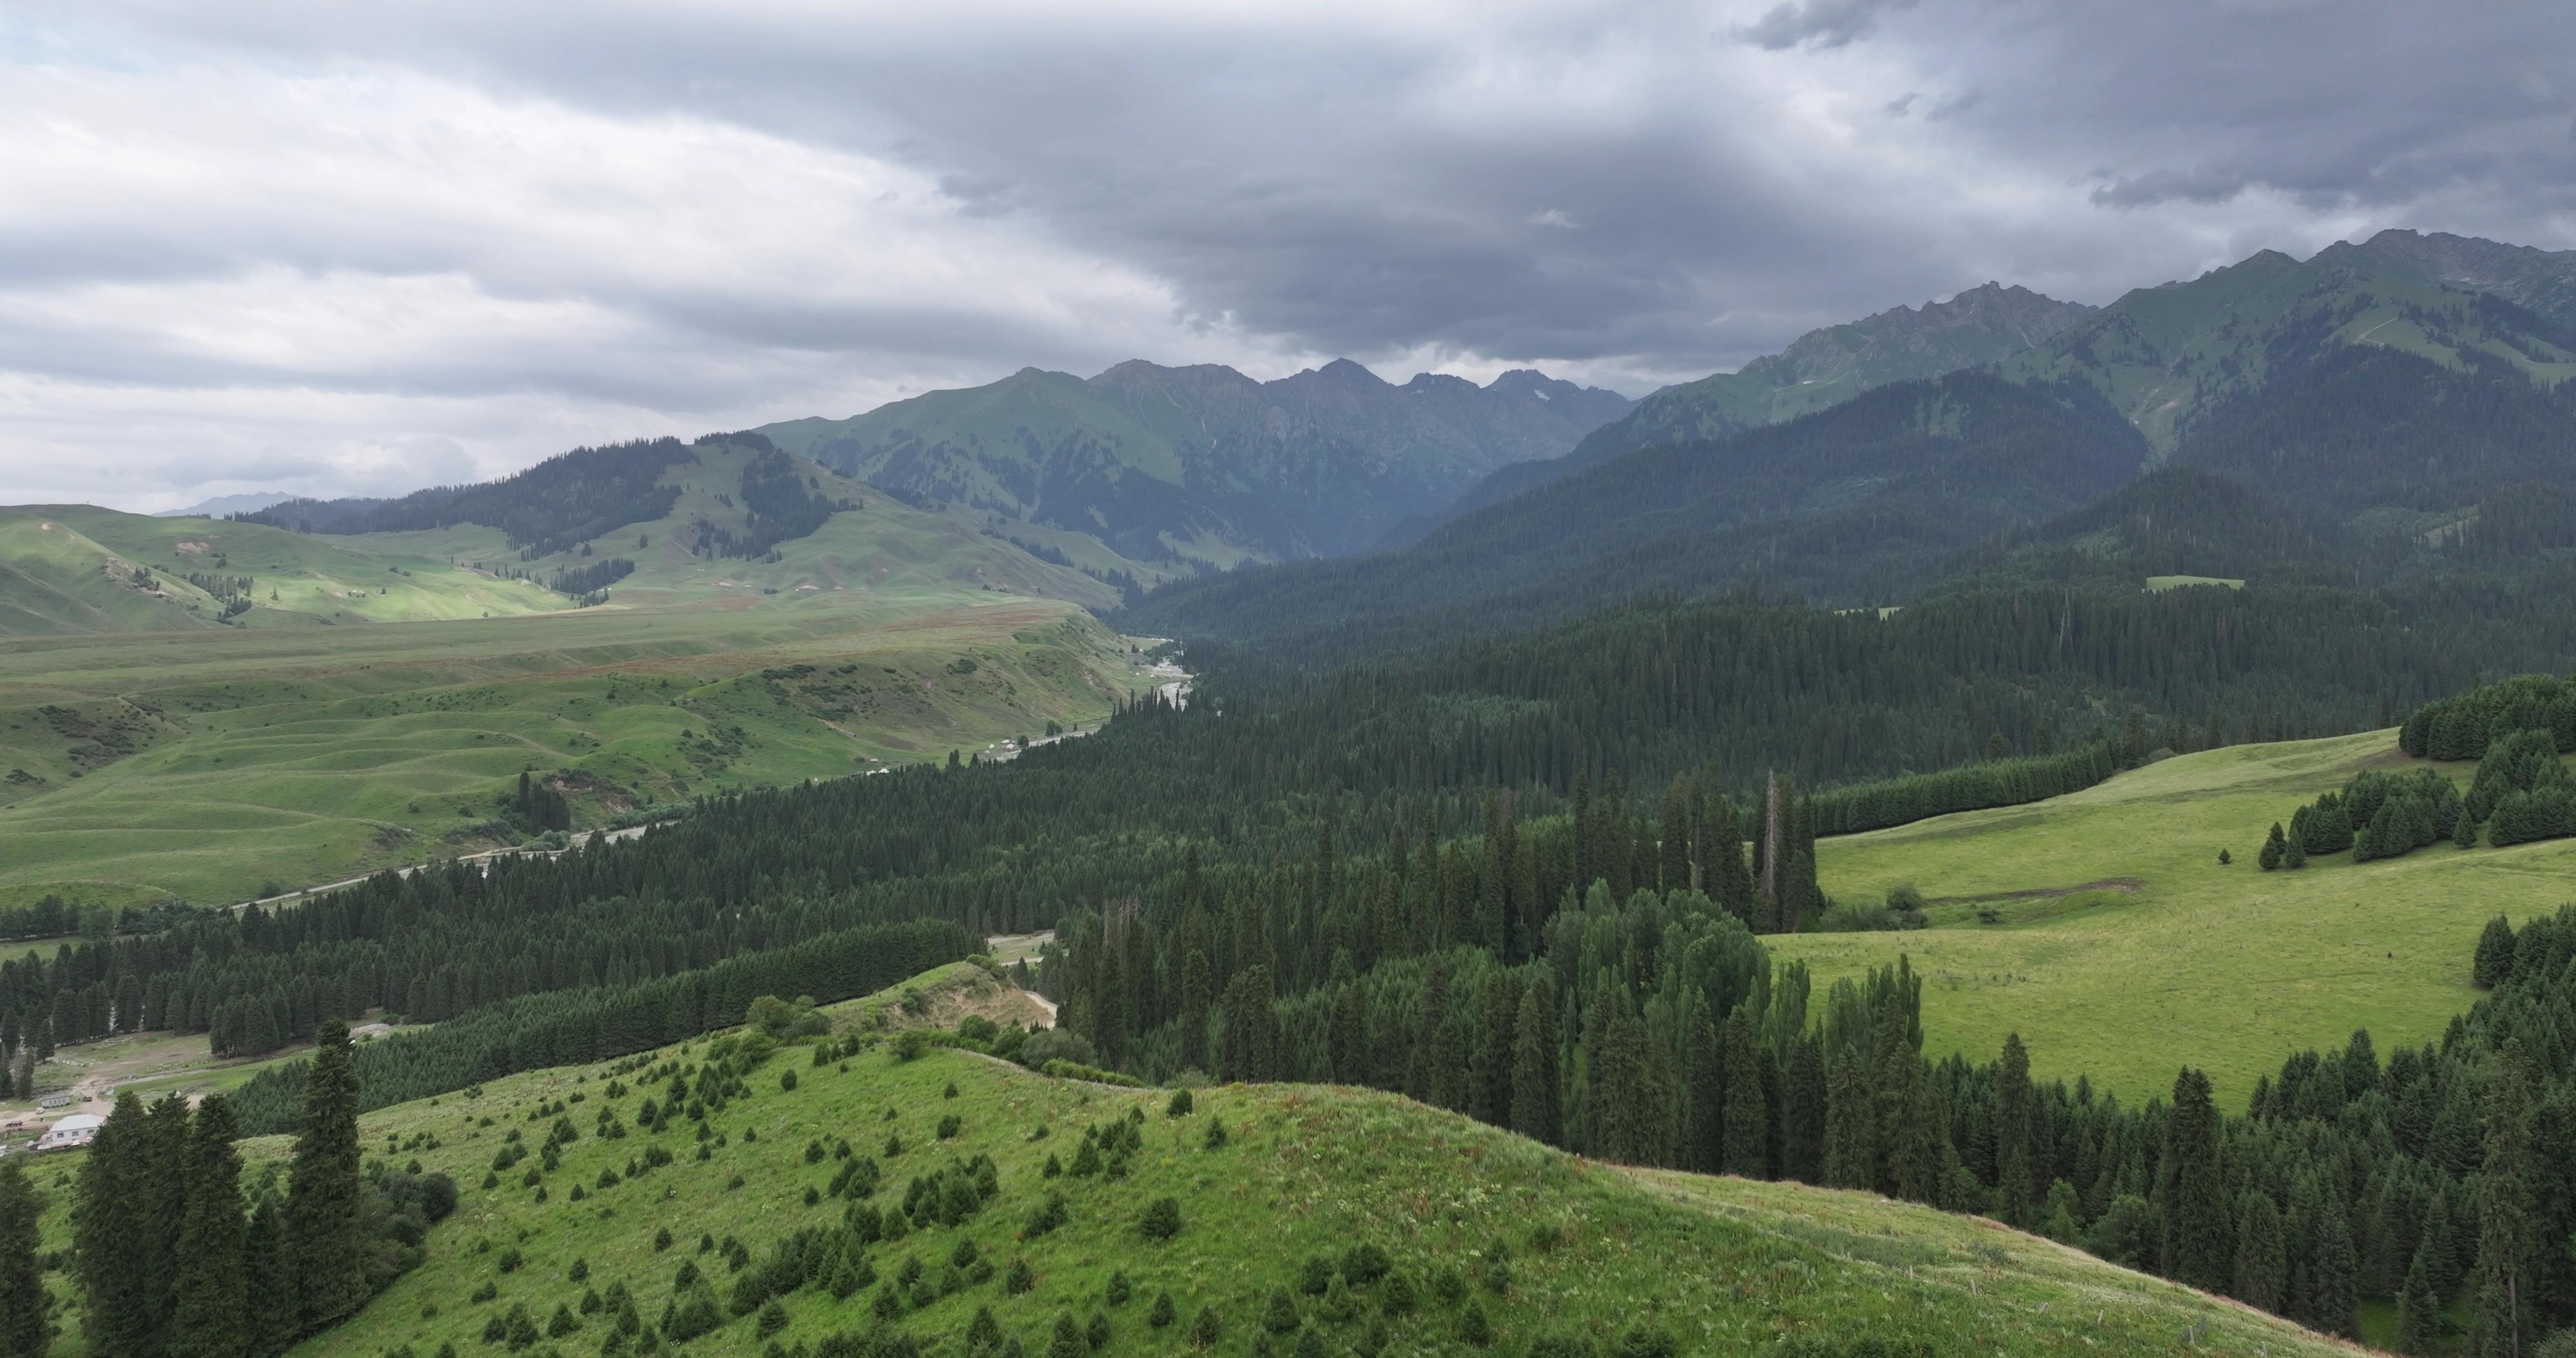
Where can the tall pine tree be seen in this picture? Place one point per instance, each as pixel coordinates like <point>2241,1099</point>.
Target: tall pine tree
<point>2501,1315</point>
<point>324,1195</point>
<point>2191,1190</point>
<point>211,1312</point>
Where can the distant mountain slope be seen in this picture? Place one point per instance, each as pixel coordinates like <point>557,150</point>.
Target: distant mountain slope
<point>728,518</point>
<point>80,569</point>
<point>1203,463</point>
<point>1848,503</point>
<point>1822,368</point>
<point>2172,357</point>
<point>2540,281</point>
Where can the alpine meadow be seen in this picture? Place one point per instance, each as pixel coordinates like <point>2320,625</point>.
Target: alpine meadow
<point>1751,805</point>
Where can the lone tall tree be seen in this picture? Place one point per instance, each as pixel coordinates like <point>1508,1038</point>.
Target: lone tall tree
<point>323,1191</point>
<point>210,1317</point>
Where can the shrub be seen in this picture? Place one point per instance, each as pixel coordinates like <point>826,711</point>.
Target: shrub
<point>949,1125</point>
<point>773,1318</point>
<point>1055,1044</point>
<point>1180,1105</point>
<point>561,1323</point>
<point>1647,1341</point>
<point>1473,1327</point>
<point>1279,1316</point>
<point>1021,1280</point>
<point>1096,1334</point>
<point>1208,1328</point>
<point>1162,1219</point>
<point>1315,1276</point>
<point>1397,1297</point>
<point>1162,1313</point>
<point>1215,1138</point>
<point>1365,1263</point>
<point>787,1078</point>
<point>1447,1285</point>
<point>1118,1291</point>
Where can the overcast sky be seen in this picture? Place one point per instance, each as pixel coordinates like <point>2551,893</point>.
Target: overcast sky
<point>318,246</point>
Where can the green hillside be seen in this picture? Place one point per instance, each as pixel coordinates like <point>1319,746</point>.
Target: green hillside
<point>2170,357</point>
<point>881,547</point>
<point>74,568</point>
<point>2122,940</point>
<point>1421,1231</point>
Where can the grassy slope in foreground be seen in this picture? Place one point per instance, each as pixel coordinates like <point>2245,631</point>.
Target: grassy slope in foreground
<point>1723,1264</point>
<point>2228,968</point>
<point>307,755</point>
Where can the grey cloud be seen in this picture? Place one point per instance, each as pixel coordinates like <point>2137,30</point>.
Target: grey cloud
<point>2197,185</point>
<point>1817,23</point>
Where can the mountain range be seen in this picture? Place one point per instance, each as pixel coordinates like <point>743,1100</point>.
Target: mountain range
<point>1203,463</point>
<point>1823,368</point>
<point>2375,400</point>
<point>2394,385</point>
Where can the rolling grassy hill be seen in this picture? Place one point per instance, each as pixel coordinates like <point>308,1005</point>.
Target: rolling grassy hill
<point>1468,1219</point>
<point>2122,941</point>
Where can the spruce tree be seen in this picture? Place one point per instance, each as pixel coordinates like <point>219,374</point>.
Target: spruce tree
<point>2273,848</point>
<point>1748,1112</point>
<point>2334,1277</point>
<point>210,1315</point>
<point>1851,1142</point>
<point>267,1276</point>
<point>119,1313</point>
<point>161,1189</point>
<point>324,1195</point>
<point>2191,1190</point>
<point>1802,1112</point>
<point>2013,1187</point>
<point>1534,1080</point>
<point>2262,1257</point>
<point>1198,995</point>
<point>25,1330</point>
<point>2503,1317</point>
<point>2419,1310</point>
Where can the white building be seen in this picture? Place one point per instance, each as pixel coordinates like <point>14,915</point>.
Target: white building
<point>77,1130</point>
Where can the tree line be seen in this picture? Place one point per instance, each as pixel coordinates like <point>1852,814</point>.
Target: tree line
<point>1656,1030</point>
<point>176,1257</point>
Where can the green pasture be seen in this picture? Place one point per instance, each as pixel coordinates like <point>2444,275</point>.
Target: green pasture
<point>2154,953</point>
<point>288,758</point>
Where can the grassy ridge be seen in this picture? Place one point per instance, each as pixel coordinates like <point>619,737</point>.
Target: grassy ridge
<point>2171,954</point>
<point>1723,1265</point>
